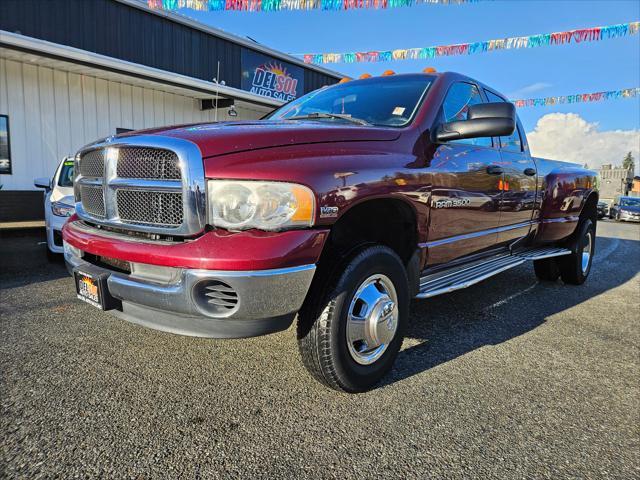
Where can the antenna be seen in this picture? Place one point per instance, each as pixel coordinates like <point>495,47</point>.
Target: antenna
<point>215,115</point>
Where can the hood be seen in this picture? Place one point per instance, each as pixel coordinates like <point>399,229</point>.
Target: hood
<point>231,137</point>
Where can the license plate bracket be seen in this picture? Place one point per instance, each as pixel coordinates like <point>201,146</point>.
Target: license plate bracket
<point>91,287</point>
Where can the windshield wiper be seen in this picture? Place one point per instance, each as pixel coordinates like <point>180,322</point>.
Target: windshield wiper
<point>342,116</point>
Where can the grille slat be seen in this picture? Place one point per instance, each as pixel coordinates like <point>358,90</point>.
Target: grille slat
<point>92,200</point>
<point>140,162</point>
<point>221,295</point>
<point>147,207</point>
<point>92,164</point>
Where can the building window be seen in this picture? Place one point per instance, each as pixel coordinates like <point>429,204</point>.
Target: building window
<point>5,150</point>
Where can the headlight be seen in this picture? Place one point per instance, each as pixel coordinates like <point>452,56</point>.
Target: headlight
<point>242,205</point>
<point>62,209</point>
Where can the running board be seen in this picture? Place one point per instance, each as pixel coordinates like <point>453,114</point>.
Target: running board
<point>467,275</point>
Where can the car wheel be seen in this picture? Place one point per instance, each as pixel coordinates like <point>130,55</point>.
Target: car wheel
<point>575,268</point>
<point>350,338</point>
<point>546,269</point>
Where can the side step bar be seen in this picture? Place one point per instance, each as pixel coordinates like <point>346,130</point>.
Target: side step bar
<point>467,275</point>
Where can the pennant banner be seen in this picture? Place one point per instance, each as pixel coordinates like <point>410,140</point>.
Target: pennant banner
<point>579,98</point>
<point>279,5</point>
<point>541,40</point>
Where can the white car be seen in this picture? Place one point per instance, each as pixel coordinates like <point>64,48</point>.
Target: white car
<point>58,202</point>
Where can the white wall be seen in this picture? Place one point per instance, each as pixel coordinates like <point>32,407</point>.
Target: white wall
<point>52,113</point>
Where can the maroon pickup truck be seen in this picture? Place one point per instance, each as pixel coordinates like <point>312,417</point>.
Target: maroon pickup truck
<point>337,208</point>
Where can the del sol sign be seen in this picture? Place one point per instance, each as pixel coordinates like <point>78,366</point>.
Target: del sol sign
<point>271,77</point>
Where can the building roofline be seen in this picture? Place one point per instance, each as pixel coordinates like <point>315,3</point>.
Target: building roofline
<point>75,55</point>
<point>178,18</point>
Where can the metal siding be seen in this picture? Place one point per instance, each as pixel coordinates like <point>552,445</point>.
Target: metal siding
<point>52,113</point>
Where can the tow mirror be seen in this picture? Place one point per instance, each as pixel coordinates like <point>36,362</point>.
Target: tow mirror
<point>43,182</point>
<point>483,120</point>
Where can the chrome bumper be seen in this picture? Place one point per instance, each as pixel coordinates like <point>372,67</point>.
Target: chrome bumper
<point>171,299</point>
<point>629,217</point>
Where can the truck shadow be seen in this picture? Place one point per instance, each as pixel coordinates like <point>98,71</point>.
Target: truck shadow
<point>504,307</point>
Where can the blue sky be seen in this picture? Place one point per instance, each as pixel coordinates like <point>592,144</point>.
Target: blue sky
<point>546,71</point>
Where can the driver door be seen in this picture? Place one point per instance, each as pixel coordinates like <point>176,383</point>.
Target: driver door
<point>465,198</point>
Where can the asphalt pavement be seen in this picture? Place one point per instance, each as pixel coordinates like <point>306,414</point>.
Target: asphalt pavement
<point>510,378</point>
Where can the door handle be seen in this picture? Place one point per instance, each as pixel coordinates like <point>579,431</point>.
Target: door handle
<point>530,171</point>
<point>495,170</point>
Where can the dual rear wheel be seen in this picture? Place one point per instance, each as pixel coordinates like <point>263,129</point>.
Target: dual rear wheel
<point>575,267</point>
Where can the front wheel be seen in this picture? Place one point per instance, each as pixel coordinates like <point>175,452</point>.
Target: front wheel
<point>351,337</point>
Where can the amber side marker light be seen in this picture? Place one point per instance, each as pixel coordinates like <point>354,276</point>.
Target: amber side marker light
<point>386,73</point>
<point>365,75</point>
<point>429,70</point>
<point>344,80</point>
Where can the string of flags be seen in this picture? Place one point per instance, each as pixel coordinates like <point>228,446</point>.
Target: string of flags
<point>281,5</point>
<point>581,35</point>
<point>579,98</point>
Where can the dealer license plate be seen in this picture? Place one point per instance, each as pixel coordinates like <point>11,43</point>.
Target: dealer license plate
<point>89,289</point>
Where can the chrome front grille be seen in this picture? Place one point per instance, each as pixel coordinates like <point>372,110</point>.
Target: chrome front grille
<point>92,199</point>
<point>155,208</point>
<point>143,183</point>
<point>140,162</point>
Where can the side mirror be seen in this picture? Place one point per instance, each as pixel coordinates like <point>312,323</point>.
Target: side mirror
<point>43,182</point>
<point>483,120</point>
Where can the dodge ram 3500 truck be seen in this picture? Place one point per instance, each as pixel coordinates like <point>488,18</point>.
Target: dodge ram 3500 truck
<point>337,208</point>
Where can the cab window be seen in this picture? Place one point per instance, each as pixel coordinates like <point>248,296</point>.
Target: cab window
<point>456,104</point>
<point>513,142</point>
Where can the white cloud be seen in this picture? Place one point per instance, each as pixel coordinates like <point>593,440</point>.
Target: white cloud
<point>569,137</point>
<point>524,92</point>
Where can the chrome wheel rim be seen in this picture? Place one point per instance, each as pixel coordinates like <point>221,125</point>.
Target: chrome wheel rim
<point>586,253</point>
<point>372,319</point>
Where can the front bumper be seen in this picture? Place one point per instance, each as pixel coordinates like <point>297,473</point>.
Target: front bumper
<point>629,217</point>
<point>54,226</point>
<point>174,300</point>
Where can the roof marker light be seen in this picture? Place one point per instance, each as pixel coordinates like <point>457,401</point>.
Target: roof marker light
<point>386,73</point>
<point>429,70</point>
<point>365,75</point>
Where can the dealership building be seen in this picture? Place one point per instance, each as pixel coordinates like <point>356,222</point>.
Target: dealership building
<point>73,71</point>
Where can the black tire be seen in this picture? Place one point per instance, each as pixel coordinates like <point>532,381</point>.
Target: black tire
<point>572,268</point>
<point>322,324</point>
<point>546,269</point>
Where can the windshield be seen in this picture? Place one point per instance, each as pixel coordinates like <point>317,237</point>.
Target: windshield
<point>383,101</point>
<point>630,202</point>
<point>66,174</point>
